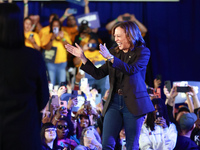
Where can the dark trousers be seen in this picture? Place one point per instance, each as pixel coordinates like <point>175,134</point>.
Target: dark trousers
<point>115,118</point>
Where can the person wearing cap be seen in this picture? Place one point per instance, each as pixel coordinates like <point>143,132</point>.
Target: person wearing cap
<point>186,122</point>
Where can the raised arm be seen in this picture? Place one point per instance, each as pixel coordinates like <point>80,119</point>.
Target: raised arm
<point>86,9</point>
<point>65,15</point>
<point>142,28</point>
<point>25,8</point>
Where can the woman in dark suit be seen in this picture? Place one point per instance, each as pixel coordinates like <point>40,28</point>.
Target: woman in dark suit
<point>23,85</point>
<point>128,100</point>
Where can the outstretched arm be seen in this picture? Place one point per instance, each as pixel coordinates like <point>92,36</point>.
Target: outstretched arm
<point>25,8</point>
<point>76,51</point>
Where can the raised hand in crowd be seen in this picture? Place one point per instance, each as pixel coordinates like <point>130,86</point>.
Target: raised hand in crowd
<point>65,15</point>
<point>170,97</point>
<point>157,83</point>
<point>61,91</point>
<point>76,51</point>
<point>72,103</point>
<point>47,117</point>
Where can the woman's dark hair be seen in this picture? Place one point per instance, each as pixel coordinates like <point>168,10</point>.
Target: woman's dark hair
<point>132,33</point>
<point>45,126</point>
<point>150,120</point>
<point>11,26</point>
<point>51,24</point>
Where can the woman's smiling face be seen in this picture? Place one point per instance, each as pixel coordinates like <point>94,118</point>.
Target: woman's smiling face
<point>121,39</point>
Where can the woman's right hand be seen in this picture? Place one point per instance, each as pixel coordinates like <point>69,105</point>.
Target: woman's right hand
<point>76,51</point>
<point>161,122</point>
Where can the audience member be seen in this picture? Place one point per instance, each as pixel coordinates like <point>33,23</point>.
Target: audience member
<point>186,123</point>
<point>90,140</point>
<point>121,18</point>
<point>49,137</point>
<point>31,38</point>
<point>157,131</point>
<point>55,42</point>
<point>24,88</point>
<point>64,131</point>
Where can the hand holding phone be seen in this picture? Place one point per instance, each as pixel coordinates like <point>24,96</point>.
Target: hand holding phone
<point>89,133</point>
<point>168,85</point>
<point>92,45</point>
<point>56,30</point>
<point>183,89</point>
<point>31,35</point>
<point>126,18</point>
<point>54,100</point>
<point>72,11</point>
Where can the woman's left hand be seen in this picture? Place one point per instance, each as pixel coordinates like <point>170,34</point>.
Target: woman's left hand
<point>104,51</point>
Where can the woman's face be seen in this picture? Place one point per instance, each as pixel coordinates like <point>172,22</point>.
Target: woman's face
<point>121,39</point>
<point>71,21</point>
<point>50,134</point>
<point>84,122</point>
<point>56,24</point>
<point>62,129</point>
<point>27,25</point>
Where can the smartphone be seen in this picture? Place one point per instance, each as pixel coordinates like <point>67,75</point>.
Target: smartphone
<point>98,99</point>
<point>74,94</point>
<point>50,87</point>
<point>56,87</point>
<point>54,100</point>
<point>63,104</point>
<point>72,11</point>
<point>127,18</point>
<point>81,71</point>
<point>168,85</point>
<point>84,81</point>
<point>149,90</point>
<point>55,30</point>
<point>183,89</point>
<point>158,114</point>
<point>92,45</point>
<point>89,133</point>
<point>63,84</point>
<point>123,144</point>
<point>31,35</point>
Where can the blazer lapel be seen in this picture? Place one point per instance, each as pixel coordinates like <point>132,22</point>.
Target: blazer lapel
<point>130,56</point>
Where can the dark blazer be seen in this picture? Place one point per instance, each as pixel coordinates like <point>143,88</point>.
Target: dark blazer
<point>133,80</point>
<point>23,94</point>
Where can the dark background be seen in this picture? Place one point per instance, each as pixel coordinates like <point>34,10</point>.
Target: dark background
<point>173,32</point>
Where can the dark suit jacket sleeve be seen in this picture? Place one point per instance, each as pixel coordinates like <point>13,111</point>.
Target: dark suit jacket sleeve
<point>97,73</point>
<point>143,56</point>
<point>42,84</point>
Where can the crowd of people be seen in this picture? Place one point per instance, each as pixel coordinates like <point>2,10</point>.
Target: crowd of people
<point>80,113</point>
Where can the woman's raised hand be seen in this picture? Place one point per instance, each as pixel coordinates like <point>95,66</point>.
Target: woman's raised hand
<point>104,51</point>
<point>76,51</point>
